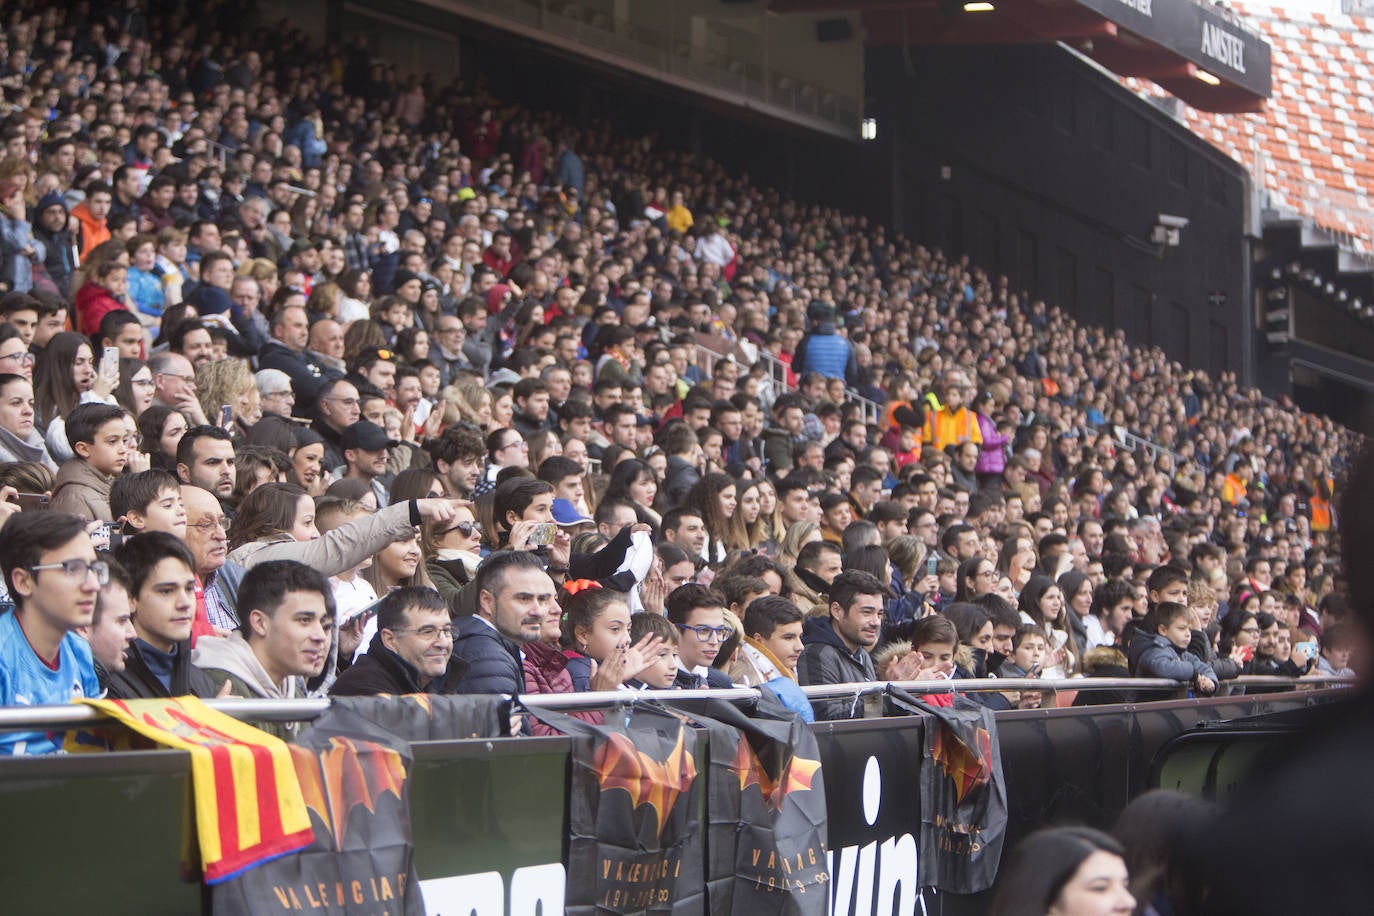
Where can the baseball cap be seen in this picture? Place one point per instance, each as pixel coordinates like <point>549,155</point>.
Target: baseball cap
<point>565,513</point>
<point>367,436</point>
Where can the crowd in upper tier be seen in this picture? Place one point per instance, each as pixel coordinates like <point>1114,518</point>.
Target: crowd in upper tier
<point>319,378</point>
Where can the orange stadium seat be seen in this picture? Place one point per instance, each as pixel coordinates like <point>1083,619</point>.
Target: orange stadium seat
<point>1314,132</point>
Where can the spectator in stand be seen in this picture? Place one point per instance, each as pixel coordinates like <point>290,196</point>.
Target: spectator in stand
<point>162,592</point>
<point>288,620</point>
<point>1112,608</point>
<point>111,630</point>
<point>514,596</point>
<point>205,458</point>
<point>1065,871</point>
<point>412,651</point>
<point>207,535</point>
<point>82,487</point>
<point>1162,649</point>
<point>310,378</point>
<point>699,614</point>
<point>53,577</point>
<point>838,645</point>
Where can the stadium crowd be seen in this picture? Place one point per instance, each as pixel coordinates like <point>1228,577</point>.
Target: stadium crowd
<point>317,378</point>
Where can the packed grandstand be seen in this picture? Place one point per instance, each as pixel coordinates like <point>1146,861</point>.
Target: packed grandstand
<point>322,379</point>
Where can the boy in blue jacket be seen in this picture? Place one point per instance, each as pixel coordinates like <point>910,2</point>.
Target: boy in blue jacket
<point>1161,649</point>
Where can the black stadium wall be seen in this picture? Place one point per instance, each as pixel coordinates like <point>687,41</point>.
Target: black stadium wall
<point>1039,166</point>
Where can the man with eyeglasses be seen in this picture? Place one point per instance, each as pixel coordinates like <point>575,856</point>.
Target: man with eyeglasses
<point>54,579</point>
<point>162,593</point>
<point>174,385</point>
<point>207,535</point>
<point>699,614</point>
<point>338,408</point>
<point>412,651</point>
<point>275,392</point>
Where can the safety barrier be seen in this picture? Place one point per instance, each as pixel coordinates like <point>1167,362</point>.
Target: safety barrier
<point>488,816</point>
<point>1137,444</point>
<point>49,718</point>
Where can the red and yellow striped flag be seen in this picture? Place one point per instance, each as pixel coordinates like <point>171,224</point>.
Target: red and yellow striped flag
<point>248,802</point>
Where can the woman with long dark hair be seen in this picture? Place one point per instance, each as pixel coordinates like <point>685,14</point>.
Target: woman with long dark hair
<point>64,376</point>
<point>1042,604</point>
<point>1064,871</point>
<point>633,481</point>
<point>713,497</point>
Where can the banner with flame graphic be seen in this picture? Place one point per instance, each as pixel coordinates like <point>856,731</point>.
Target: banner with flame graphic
<point>963,794</point>
<point>353,764</point>
<point>765,809</point>
<point>634,805</point>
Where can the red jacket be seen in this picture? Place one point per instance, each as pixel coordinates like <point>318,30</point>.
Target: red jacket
<point>546,671</point>
<point>94,302</point>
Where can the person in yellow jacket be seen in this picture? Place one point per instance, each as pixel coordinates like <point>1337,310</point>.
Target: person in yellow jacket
<point>952,422</point>
<point>1237,483</point>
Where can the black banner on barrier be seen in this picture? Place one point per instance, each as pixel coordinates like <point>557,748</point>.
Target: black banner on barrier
<point>353,764</point>
<point>634,841</point>
<point>963,797</point>
<point>873,805</point>
<point>765,810</point>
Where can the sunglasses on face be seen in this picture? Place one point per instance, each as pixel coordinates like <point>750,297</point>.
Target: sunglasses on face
<point>466,529</point>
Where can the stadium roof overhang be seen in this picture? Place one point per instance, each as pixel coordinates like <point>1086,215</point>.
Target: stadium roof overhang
<point>1205,57</point>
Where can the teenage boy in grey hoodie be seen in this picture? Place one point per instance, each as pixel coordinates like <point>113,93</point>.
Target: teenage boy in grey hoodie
<point>287,614</point>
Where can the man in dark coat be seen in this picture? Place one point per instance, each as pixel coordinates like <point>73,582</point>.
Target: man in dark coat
<point>162,589</point>
<point>412,651</point>
<point>514,596</point>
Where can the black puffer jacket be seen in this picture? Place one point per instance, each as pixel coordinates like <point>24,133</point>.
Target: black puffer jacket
<point>493,662</point>
<point>137,681</point>
<point>383,671</point>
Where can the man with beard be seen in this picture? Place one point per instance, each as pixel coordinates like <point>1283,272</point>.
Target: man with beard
<point>838,645</point>
<point>514,596</point>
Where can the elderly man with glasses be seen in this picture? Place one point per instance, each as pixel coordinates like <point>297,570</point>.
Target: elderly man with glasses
<point>207,534</point>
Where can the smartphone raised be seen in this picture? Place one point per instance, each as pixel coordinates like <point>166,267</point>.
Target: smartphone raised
<point>226,416</point>
<point>110,357</point>
<point>543,535</point>
<point>32,501</point>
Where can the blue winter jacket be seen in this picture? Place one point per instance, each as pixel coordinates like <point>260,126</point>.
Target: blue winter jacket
<point>493,661</point>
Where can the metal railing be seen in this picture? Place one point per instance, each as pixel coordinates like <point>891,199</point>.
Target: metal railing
<point>872,411</point>
<point>35,718</point>
<point>1135,443</point>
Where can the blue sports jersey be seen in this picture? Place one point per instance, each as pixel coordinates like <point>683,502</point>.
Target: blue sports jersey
<point>26,681</point>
